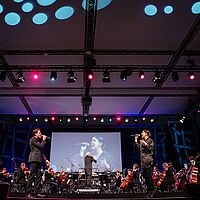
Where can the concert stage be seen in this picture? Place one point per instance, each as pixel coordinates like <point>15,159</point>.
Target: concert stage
<point>192,191</point>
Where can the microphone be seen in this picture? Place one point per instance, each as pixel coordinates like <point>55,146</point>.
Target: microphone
<point>135,135</point>
<point>47,137</point>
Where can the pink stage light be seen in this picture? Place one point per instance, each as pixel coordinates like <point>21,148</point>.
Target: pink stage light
<point>35,75</point>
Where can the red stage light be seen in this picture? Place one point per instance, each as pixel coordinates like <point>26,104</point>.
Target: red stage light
<point>118,119</point>
<point>35,75</point>
<point>90,76</point>
<point>53,118</point>
<point>141,75</point>
<point>191,76</point>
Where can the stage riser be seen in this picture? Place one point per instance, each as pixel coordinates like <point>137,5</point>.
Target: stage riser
<point>4,190</point>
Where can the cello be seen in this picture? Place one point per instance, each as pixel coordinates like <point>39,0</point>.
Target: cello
<point>127,180</point>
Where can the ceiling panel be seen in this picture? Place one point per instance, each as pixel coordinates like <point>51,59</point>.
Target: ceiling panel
<point>11,105</point>
<point>116,105</point>
<point>55,105</point>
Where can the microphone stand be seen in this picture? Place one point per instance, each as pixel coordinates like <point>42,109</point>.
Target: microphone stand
<point>71,164</point>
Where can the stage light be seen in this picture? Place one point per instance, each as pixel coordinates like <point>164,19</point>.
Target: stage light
<point>94,118</point>
<point>141,75</point>
<point>118,119</point>
<point>126,120</point>
<point>53,118</point>
<point>46,119</point>
<point>20,119</point>
<point>152,120</point>
<point>157,77</point>
<point>68,120</point>
<point>191,75</point>
<point>53,76</point>
<point>60,119</point>
<point>3,76</point>
<point>110,119</point>
<point>125,73</point>
<point>71,78</point>
<point>28,118</point>
<point>35,75</point>
<point>102,120</point>
<point>36,119</point>
<point>143,118</point>
<point>106,76</point>
<point>20,77</point>
<point>77,118</point>
<point>175,76</point>
<point>135,120</point>
<point>90,75</point>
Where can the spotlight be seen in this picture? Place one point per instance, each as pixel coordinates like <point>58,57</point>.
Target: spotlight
<point>102,120</point>
<point>20,78</point>
<point>157,77</point>
<point>53,118</point>
<point>90,75</point>
<point>35,75</point>
<point>125,73</point>
<point>53,76</point>
<point>175,76</point>
<point>71,78</point>
<point>118,119</point>
<point>20,119</point>
<point>126,120</point>
<point>3,76</point>
<point>106,76</point>
<point>191,75</point>
<point>141,75</point>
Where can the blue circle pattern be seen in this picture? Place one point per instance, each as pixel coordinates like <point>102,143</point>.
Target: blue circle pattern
<point>100,5</point>
<point>18,1</point>
<point>1,8</point>
<point>64,12</point>
<point>12,19</point>
<point>196,8</point>
<point>40,18</point>
<point>46,2</point>
<point>168,10</point>
<point>150,10</point>
<point>27,7</point>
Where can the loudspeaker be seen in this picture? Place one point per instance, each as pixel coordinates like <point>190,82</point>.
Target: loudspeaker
<point>4,190</point>
<point>192,190</point>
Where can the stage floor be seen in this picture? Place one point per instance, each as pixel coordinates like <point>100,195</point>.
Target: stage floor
<point>95,196</point>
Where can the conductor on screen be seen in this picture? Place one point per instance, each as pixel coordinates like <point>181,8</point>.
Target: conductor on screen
<point>104,159</point>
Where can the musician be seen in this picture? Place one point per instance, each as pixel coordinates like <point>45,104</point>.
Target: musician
<point>118,180</point>
<point>88,168</point>
<point>35,159</point>
<point>22,175</point>
<point>5,176</point>
<point>49,179</point>
<point>156,174</point>
<point>166,179</point>
<point>146,146</point>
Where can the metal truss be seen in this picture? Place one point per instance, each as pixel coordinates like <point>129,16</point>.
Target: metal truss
<point>101,92</point>
<point>98,68</point>
<point>13,82</point>
<point>175,58</point>
<point>108,52</point>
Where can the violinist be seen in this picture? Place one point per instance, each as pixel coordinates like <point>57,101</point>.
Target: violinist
<point>22,174</point>
<point>166,180</point>
<point>5,176</point>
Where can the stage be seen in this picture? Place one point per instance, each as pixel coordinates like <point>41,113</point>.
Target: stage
<point>192,191</point>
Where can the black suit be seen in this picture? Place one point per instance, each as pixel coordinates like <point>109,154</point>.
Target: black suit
<point>35,159</point>
<point>88,168</point>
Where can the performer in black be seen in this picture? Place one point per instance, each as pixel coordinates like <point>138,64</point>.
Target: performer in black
<point>146,146</point>
<point>35,159</point>
<point>88,168</point>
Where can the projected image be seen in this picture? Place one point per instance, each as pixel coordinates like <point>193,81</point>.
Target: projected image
<point>68,150</point>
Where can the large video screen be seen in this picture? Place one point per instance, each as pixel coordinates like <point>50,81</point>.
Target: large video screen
<point>68,150</point>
